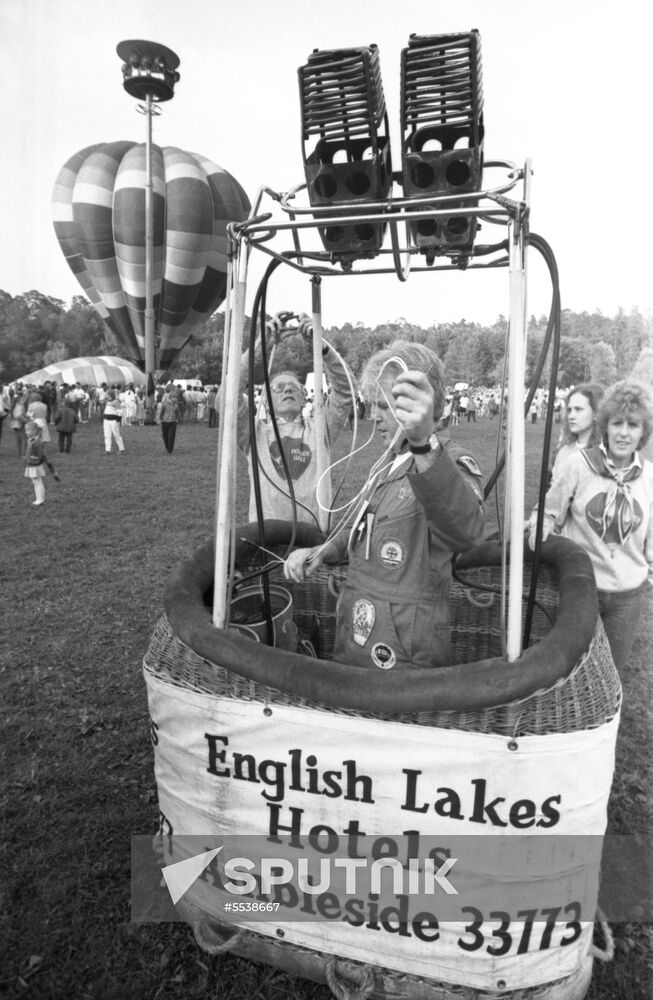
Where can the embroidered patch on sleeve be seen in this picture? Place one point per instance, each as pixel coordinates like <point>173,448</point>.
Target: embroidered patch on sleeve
<point>469,464</point>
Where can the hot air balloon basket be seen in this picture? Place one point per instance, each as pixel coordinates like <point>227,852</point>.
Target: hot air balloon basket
<point>588,696</point>
<point>584,700</point>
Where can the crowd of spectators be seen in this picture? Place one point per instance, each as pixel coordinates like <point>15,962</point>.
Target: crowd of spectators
<point>62,408</point>
<point>474,402</point>
<point>49,402</point>
<point>196,405</point>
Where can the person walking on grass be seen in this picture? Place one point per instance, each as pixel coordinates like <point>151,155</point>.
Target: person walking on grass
<point>5,406</point>
<point>38,412</point>
<point>37,463</point>
<point>170,415</point>
<point>65,424</point>
<point>140,406</point>
<point>211,402</point>
<point>17,421</point>
<point>111,423</point>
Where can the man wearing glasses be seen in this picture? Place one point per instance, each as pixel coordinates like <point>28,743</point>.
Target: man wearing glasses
<point>298,433</point>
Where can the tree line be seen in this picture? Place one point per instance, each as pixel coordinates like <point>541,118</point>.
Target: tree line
<point>37,330</point>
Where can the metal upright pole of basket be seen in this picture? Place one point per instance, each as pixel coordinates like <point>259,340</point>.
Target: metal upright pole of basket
<point>226,460</point>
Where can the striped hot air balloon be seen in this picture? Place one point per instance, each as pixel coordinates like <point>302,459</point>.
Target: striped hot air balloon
<point>99,370</point>
<point>99,220</point>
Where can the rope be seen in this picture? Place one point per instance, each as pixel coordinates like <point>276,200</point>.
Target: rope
<point>211,937</point>
<point>603,954</point>
<point>358,986</point>
<point>375,472</point>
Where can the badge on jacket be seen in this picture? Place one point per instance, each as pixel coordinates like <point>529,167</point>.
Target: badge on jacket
<point>392,553</point>
<point>363,616</point>
<point>383,656</point>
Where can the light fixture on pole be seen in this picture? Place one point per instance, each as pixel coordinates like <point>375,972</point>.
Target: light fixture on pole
<point>346,145</point>
<point>149,69</point>
<point>442,134</point>
<point>149,74</point>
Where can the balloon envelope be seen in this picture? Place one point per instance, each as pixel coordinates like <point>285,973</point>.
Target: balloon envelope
<point>99,219</point>
<point>88,371</point>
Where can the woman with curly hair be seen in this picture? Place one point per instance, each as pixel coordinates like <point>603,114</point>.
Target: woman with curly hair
<point>421,503</point>
<point>602,498</point>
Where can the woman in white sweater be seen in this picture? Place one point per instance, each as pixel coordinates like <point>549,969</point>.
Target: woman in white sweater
<point>602,498</point>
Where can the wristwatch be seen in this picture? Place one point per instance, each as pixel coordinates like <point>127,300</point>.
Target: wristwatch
<point>423,449</point>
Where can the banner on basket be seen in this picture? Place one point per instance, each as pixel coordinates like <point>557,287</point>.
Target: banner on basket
<point>288,783</point>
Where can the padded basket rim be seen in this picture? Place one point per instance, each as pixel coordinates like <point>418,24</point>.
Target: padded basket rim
<point>469,686</point>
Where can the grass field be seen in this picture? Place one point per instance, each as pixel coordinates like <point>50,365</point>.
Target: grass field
<point>83,582</point>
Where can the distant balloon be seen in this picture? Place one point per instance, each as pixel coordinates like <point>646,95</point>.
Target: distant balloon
<point>88,371</point>
<point>99,219</point>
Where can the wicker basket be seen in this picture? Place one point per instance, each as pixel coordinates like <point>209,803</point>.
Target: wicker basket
<point>353,981</point>
<point>587,696</point>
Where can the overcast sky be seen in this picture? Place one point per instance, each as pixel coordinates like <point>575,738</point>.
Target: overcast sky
<point>564,84</point>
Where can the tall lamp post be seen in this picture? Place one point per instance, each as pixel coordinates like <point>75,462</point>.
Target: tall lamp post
<point>149,74</point>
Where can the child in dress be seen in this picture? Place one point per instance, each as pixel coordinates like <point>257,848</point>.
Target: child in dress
<point>37,462</point>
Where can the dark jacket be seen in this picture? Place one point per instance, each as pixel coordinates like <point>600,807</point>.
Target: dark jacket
<point>36,453</point>
<point>394,607</point>
<point>65,420</point>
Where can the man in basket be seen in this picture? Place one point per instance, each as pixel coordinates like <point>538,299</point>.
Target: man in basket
<point>297,429</point>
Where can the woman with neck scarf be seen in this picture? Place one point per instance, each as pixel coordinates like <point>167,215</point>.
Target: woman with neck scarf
<point>602,499</point>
